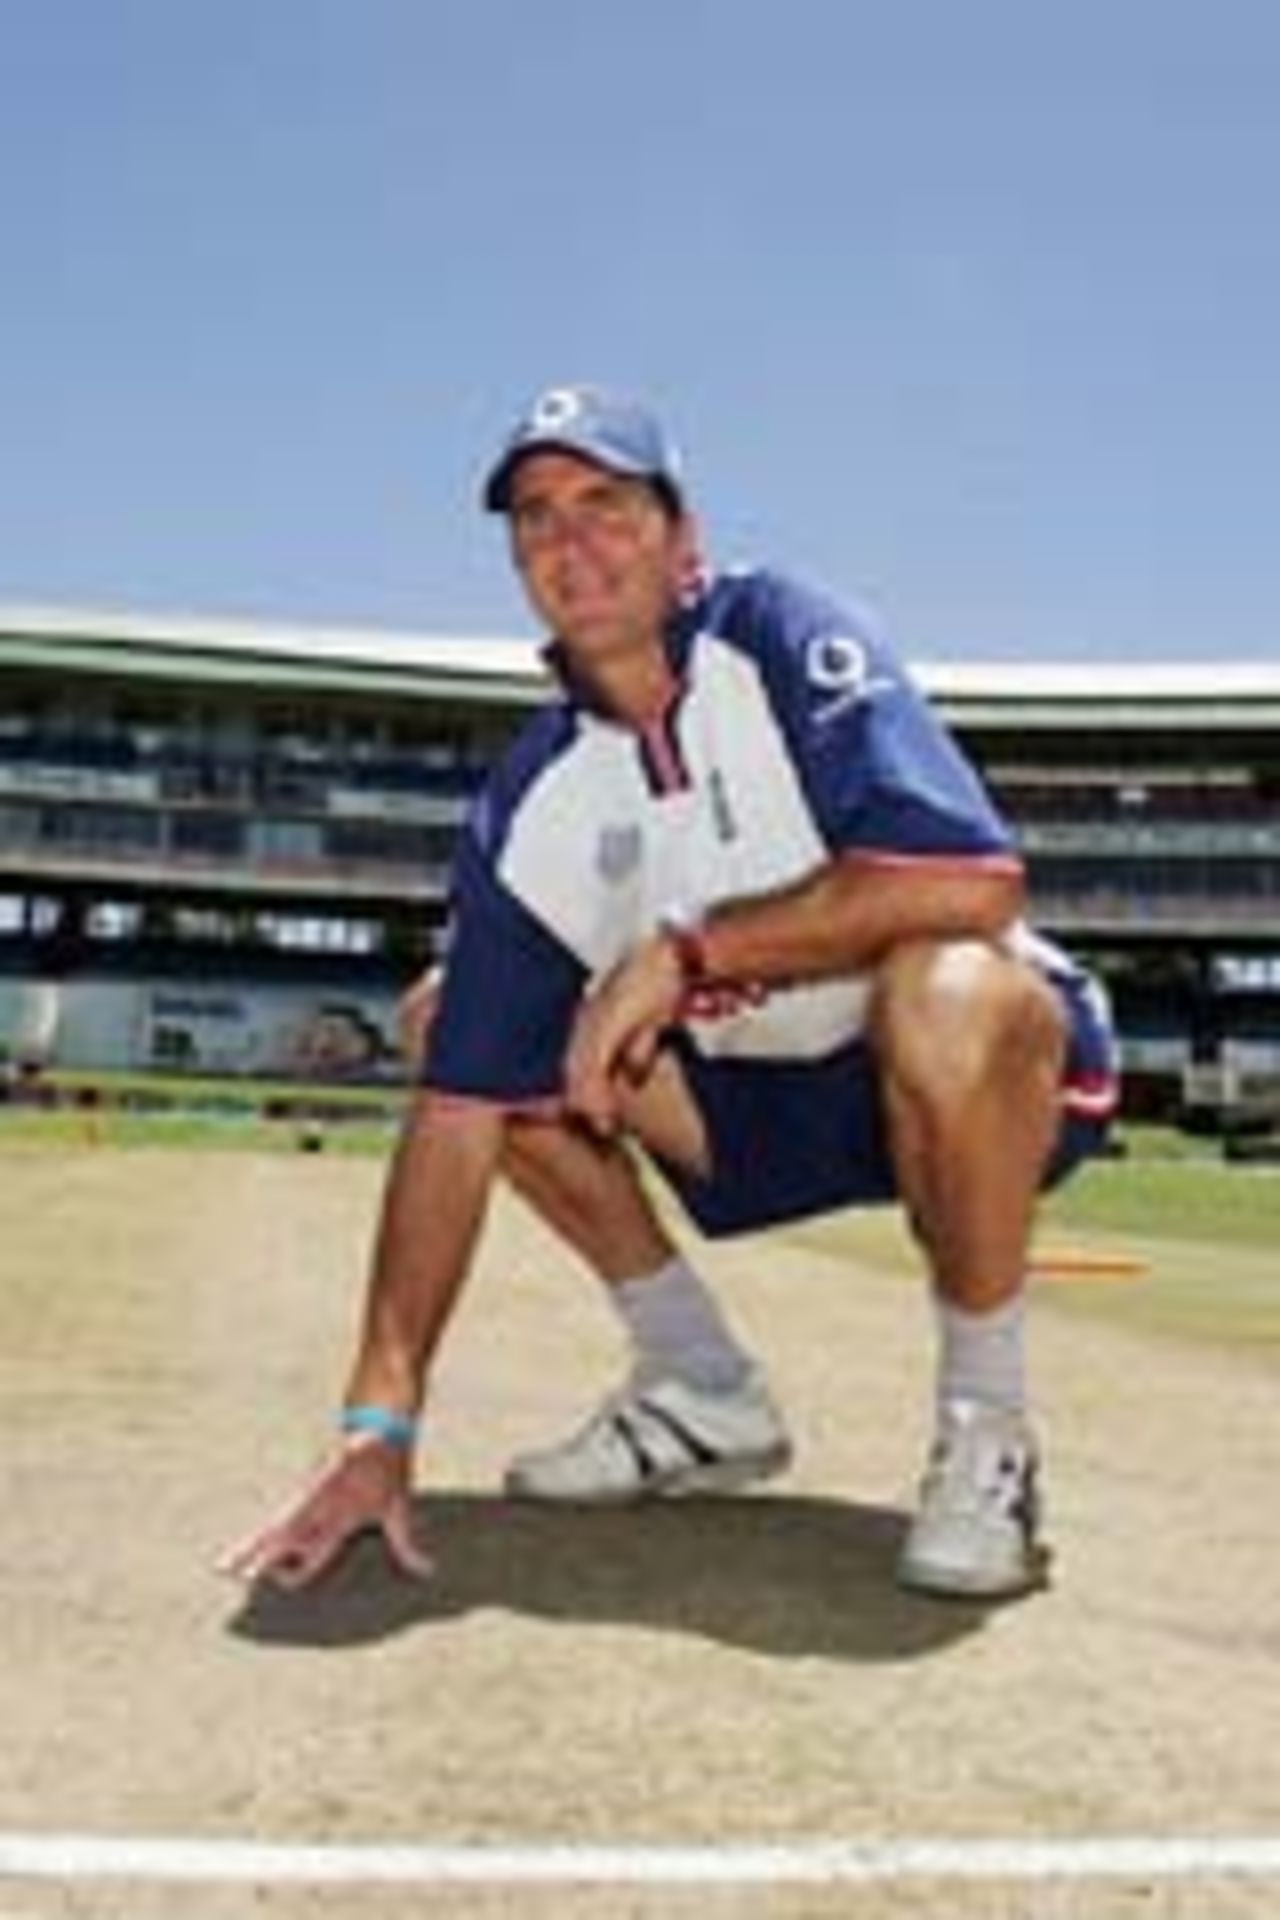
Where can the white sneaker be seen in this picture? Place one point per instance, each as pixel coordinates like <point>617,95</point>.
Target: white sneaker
<point>975,1532</point>
<point>660,1436</point>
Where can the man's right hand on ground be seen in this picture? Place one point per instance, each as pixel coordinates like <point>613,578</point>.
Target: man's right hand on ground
<point>365,1487</point>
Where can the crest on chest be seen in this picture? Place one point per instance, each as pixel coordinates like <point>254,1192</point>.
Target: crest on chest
<point>618,852</point>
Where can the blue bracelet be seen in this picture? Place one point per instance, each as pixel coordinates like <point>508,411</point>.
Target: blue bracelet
<point>397,1429</point>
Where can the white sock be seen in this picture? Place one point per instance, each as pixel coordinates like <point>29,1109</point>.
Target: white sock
<point>676,1327</point>
<point>981,1355</point>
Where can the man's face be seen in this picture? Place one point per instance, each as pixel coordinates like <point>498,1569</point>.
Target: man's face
<point>601,560</point>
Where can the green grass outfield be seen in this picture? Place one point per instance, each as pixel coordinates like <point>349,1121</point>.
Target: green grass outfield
<point>152,1110</point>
<point>1203,1234</point>
<point>232,1131</point>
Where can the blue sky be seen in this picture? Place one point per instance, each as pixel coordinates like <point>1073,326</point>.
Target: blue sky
<point>969,310</point>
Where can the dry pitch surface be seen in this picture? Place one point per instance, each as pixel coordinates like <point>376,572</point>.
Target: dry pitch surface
<point>172,1330</point>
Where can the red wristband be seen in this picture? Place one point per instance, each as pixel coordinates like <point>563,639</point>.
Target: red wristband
<point>691,954</point>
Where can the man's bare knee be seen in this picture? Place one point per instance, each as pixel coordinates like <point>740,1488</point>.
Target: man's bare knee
<point>951,1017</point>
<point>662,1114</point>
<point>588,1191</point>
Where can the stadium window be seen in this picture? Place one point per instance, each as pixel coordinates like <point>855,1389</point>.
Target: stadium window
<point>389,843</point>
<point>1247,972</point>
<point>318,933</point>
<point>100,827</point>
<point>214,924</point>
<point>220,834</point>
<point>285,840</point>
<point>114,920</point>
<point>13,913</point>
<point>45,914</point>
<point>19,826</point>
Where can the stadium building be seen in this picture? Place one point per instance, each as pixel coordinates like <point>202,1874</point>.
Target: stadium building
<point>224,846</point>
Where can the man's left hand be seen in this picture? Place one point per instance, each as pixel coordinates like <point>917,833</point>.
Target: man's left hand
<point>618,1029</point>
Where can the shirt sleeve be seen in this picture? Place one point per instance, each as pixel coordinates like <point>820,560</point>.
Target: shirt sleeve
<point>881,772</point>
<point>508,997</point>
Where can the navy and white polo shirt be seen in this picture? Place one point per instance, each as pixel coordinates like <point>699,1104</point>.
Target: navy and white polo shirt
<point>795,735</point>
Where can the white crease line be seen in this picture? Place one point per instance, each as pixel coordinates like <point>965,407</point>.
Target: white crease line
<point>79,1857</point>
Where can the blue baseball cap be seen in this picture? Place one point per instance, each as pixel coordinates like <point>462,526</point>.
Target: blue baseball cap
<point>605,428</point>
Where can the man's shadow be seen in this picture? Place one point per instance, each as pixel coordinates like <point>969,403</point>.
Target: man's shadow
<point>797,1578</point>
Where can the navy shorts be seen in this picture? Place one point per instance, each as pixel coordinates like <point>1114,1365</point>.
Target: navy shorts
<point>790,1139</point>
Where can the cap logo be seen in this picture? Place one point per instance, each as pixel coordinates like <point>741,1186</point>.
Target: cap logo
<point>555,410</point>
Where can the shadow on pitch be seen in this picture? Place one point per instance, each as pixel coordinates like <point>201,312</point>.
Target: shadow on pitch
<point>797,1578</point>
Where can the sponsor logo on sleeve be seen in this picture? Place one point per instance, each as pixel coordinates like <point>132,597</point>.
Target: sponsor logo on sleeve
<point>839,669</point>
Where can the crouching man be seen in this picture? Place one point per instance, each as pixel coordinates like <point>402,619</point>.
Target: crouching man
<point>736,903</point>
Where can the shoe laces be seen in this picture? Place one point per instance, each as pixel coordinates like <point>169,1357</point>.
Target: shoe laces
<point>981,1460</point>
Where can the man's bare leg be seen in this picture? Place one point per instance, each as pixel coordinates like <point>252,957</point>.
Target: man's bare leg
<point>970,1044</point>
<point>589,1192</point>
<point>697,1414</point>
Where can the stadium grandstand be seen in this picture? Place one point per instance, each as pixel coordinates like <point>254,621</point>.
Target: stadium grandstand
<point>224,845</point>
